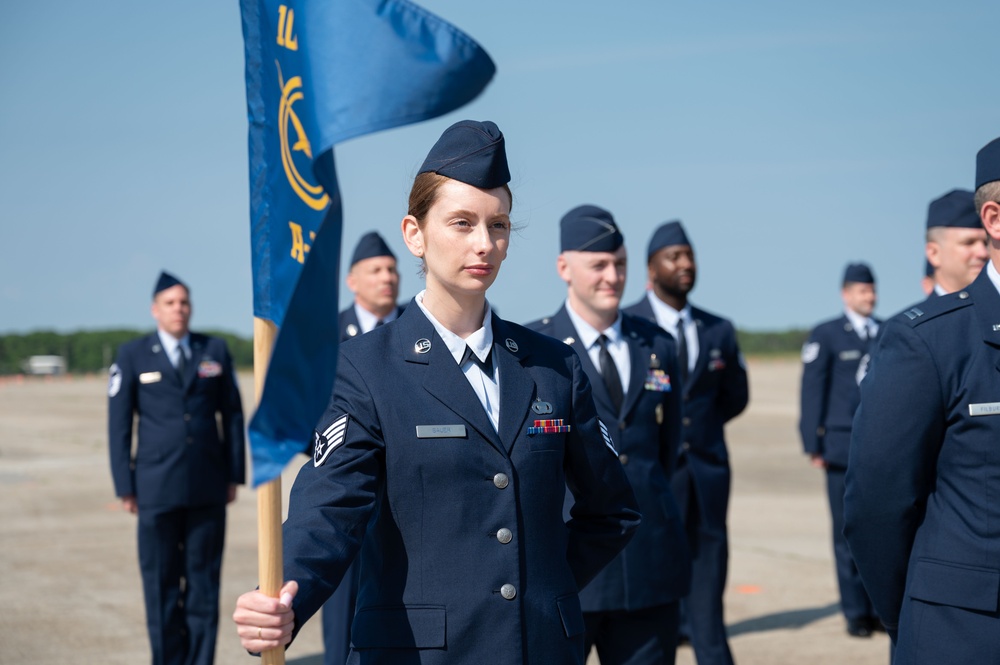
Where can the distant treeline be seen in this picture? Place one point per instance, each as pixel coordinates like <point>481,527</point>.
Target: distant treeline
<point>771,343</point>
<point>92,351</point>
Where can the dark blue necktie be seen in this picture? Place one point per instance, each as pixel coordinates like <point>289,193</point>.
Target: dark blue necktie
<point>609,371</point>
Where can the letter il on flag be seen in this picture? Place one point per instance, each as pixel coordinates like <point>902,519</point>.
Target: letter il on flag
<point>318,73</point>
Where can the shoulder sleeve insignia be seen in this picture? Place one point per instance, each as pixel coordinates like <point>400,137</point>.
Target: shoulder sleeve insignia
<point>607,437</point>
<point>863,368</point>
<point>324,442</point>
<point>114,380</point>
<point>810,352</point>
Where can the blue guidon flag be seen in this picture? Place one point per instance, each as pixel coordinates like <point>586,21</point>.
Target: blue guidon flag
<point>319,72</point>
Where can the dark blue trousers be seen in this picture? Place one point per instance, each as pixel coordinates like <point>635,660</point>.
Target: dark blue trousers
<point>702,619</point>
<point>854,600</point>
<point>180,557</point>
<point>338,613</point>
<point>641,637</point>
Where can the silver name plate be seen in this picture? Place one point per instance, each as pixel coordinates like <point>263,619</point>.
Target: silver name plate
<point>989,409</point>
<point>440,431</point>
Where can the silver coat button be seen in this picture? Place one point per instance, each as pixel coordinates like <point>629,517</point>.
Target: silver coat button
<point>501,480</point>
<point>508,591</point>
<point>686,421</point>
<point>623,458</point>
<point>686,446</point>
<point>504,536</point>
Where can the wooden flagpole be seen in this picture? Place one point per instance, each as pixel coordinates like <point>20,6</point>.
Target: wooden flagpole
<point>269,560</point>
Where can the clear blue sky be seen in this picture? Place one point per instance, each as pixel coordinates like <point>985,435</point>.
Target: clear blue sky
<point>789,137</point>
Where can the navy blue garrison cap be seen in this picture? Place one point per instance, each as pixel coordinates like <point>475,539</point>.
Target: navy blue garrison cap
<point>589,228</point>
<point>988,163</point>
<point>666,235</point>
<point>165,281</point>
<point>956,208</point>
<point>370,246</point>
<point>471,152</point>
<point>858,272</point>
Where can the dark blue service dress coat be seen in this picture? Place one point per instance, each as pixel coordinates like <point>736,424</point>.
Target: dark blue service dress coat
<point>716,391</point>
<point>923,485</point>
<point>467,557</point>
<point>183,458</point>
<point>834,360</point>
<point>655,567</point>
<point>180,474</point>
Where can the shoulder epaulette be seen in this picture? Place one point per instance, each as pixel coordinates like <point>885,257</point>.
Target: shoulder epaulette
<point>935,307</point>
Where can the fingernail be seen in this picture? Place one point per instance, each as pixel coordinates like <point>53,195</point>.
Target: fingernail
<point>286,599</point>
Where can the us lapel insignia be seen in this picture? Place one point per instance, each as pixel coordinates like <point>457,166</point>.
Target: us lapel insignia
<point>511,345</point>
<point>423,345</point>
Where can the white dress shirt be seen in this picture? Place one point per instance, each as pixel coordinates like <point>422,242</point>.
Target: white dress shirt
<point>367,320</point>
<point>487,388</point>
<point>171,345</point>
<point>617,346</point>
<point>669,319</point>
<point>864,326</point>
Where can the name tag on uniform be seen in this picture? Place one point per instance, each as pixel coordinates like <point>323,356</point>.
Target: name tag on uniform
<point>988,409</point>
<point>440,431</point>
<point>850,355</point>
<point>150,377</point>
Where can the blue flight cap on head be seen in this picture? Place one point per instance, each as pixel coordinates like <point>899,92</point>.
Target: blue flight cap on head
<point>471,152</point>
<point>666,235</point>
<point>370,246</point>
<point>988,163</point>
<point>165,281</point>
<point>589,228</point>
<point>956,208</point>
<point>858,272</point>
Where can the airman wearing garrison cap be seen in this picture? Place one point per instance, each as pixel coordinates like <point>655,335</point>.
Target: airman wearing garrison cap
<point>922,515</point>
<point>177,390</point>
<point>715,390</point>
<point>956,241</point>
<point>835,358</point>
<point>445,455</point>
<point>374,281</point>
<point>632,609</point>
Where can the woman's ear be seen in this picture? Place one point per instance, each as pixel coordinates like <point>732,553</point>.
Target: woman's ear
<point>413,236</point>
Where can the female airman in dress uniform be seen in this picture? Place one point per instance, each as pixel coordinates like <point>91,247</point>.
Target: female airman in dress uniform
<point>444,457</point>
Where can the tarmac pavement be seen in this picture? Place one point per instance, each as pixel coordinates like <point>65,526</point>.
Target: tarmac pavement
<point>71,590</point>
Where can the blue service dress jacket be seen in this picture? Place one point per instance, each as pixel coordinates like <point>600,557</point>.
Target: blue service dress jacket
<point>347,321</point>
<point>834,360</point>
<point>183,457</point>
<point>466,557</point>
<point>922,502</point>
<point>716,391</point>
<point>655,567</point>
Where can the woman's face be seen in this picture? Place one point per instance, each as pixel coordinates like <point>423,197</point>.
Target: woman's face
<point>463,239</point>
